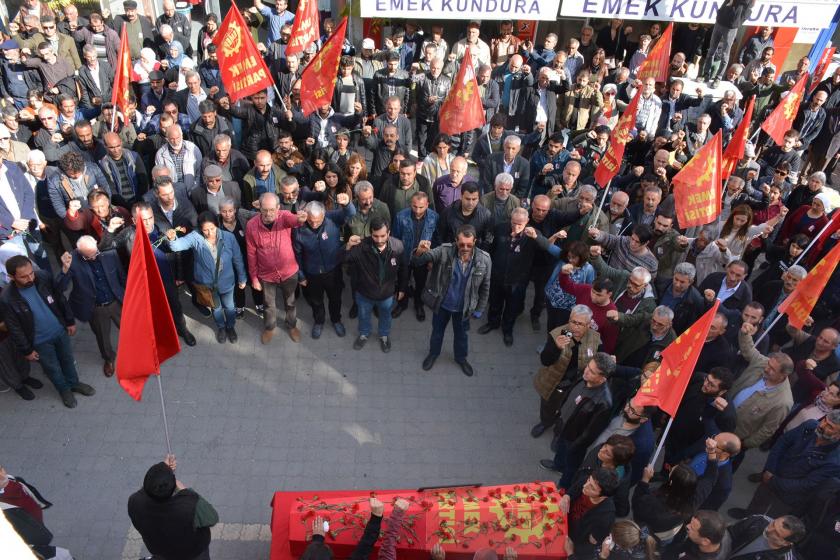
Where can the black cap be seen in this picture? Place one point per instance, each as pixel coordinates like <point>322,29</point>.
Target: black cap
<point>155,75</point>
<point>159,482</point>
<point>130,5</point>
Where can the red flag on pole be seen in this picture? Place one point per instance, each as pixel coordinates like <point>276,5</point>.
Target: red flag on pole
<point>782,116</point>
<point>666,386</point>
<point>822,66</point>
<point>122,80</point>
<point>698,186</point>
<point>241,66</point>
<point>462,110</point>
<point>147,336</point>
<point>317,81</point>
<point>658,60</point>
<point>799,304</point>
<point>735,149</point>
<point>611,160</point>
<point>305,27</point>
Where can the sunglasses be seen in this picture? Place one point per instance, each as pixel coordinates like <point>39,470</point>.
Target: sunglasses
<point>780,172</point>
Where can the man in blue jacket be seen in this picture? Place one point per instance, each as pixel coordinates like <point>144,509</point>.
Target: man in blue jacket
<point>317,245</point>
<point>98,290</point>
<point>411,226</point>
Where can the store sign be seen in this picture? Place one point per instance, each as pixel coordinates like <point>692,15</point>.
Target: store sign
<point>545,10</point>
<point>778,13</point>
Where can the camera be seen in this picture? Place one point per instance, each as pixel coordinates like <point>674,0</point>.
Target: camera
<point>567,333</point>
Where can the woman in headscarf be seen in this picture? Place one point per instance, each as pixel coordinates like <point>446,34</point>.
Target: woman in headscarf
<point>172,63</point>
<point>147,64</point>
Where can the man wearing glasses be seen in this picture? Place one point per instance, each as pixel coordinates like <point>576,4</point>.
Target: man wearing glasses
<point>50,139</point>
<point>63,45</point>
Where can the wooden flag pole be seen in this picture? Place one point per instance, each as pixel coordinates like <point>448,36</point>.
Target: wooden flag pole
<point>165,423</point>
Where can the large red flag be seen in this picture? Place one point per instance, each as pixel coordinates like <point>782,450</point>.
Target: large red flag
<point>665,386</point>
<point>734,152</point>
<point>462,109</point>
<point>611,160</point>
<point>147,335</point>
<point>821,67</point>
<point>799,304</point>
<point>658,60</point>
<point>122,81</point>
<point>305,28</point>
<point>698,186</point>
<point>241,66</point>
<point>317,82</point>
<point>782,116</point>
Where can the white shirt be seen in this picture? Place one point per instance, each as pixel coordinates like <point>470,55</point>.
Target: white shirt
<point>725,293</point>
<point>94,73</point>
<point>542,113</point>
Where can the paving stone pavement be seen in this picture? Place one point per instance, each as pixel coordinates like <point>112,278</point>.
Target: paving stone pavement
<point>247,420</point>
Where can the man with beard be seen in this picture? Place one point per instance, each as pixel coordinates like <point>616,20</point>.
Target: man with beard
<point>211,124</point>
<point>548,160</point>
<point>633,422</point>
<point>368,209</point>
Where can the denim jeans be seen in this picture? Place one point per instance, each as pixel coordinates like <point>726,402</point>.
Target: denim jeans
<point>225,314</point>
<point>366,308</point>
<point>459,328</point>
<point>56,359</point>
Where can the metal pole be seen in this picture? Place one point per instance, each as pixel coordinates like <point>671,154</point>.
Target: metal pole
<point>594,222</point>
<point>811,244</point>
<point>768,329</point>
<point>661,442</point>
<point>280,97</point>
<point>165,423</point>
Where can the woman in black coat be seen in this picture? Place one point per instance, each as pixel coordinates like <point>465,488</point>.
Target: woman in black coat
<point>591,513</point>
<point>615,453</point>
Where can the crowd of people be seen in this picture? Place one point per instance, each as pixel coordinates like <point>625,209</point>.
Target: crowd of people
<point>255,198</point>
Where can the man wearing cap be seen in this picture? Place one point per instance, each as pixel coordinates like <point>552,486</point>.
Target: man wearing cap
<point>173,520</point>
<point>212,193</point>
<point>139,28</point>
<point>15,78</point>
<point>155,96</point>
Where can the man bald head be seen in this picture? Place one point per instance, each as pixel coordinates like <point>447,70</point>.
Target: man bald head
<point>457,170</point>
<point>263,163</point>
<point>515,63</point>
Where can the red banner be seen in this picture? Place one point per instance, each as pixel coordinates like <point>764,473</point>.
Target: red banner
<point>241,66</point>
<point>658,60</point>
<point>698,186</point>
<point>305,27</point>
<point>799,304</point>
<point>610,163</point>
<point>121,90</point>
<point>821,67</point>
<point>782,116</point>
<point>735,149</point>
<point>462,110</point>
<point>317,82</point>
<point>462,520</point>
<point>666,386</point>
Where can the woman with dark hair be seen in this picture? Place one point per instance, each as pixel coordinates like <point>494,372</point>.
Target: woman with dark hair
<point>598,67</point>
<point>665,510</point>
<point>218,268</point>
<point>437,162</point>
<point>615,453</point>
<point>205,37</point>
<point>336,184</point>
<point>558,302</point>
<point>613,39</point>
<point>590,512</point>
<point>315,167</point>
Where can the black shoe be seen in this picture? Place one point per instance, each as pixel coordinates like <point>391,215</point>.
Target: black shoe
<point>205,311</point>
<point>737,513</point>
<point>221,336</point>
<point>755,477</point>
<point>429,362</point>
<point>32,382</point>
<point>486,328</point>
<point>240,312</point>
<point>231,335</point>
<point>508,339</point>
<point>25,393</point>
<point>538,430</point>
<point>385,344</point>
<point>397,310</point>
<point>83,389</point>
<point>466,368</point>
<point>421,314</point>
<point>354,311</point>
<point>68,399</point>
<point>360,342</point>
<point>188,337</point>
<point>548,464</point>
<point>535,323</point>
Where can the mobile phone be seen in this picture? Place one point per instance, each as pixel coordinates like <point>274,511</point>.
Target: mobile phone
<point>609,542</point>
<point>326,526</point>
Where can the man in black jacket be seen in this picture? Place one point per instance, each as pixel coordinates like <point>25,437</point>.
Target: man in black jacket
<point>759,537</point>
<point>259,131</point>
<point>730,287</point>
<point>467,211</point>
<point>508,161</point>
<point>514,247</point>
<point>205,129</point>
<point>731,15</point>
<point>173,520</point>
<point>40,324</point>
<point>683,298</point>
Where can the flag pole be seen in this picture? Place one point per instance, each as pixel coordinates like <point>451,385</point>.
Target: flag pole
<point>811,244</point>
<point>661,442</point>
<point>601,205</point>
<point>113,118</point>
<point>163,410</point>
<point>280,97</point>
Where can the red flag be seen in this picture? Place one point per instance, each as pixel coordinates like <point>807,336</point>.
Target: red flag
<point>317,82</point>
<point>241,66</point>
<point>122,81</point>
<point>666,386</point>
<point>822,66</point>
<point>658,60</point>
<point>305,28</point>
<point>462,109</point>
<point>611,160</point>
<point>698,186</point>
<point>799,304</point>
<point>735,149</point>
<point>782,116</point>
<point>147,336</point>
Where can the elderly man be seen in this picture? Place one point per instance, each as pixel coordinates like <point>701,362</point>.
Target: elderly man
<point>317,245</point>
<point>138,28</point>
<point>650,107</point>
<point>172,209</point>
<point>182,157</point>
<point>50,138</point>
<point>507,161</point>
<point>94,220</point>
<point>644,342</point>
<point>125,171</point>
<point>213,191</point>
<point>233,164</point>
<point>803,195</point>
<point>95,80</point>
<point>17,200</point>
<point>177,24</point>
<point>515,81</point>
<point>412,226</point>
<point>501,202</point>
<point>271,262</point>
<point>447,188</point>
<point>456,295</point>
<point>564,182</point>
<point>190,98</point>
<point>368,208</point>
<point>513,250</point>
<point>618,214</point>
<point>565,356</point>
<point>816,360</point>
<point>76,181</point>
<point>263,178</point>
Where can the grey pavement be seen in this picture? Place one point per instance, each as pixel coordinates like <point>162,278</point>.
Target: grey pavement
<point>247,420</point>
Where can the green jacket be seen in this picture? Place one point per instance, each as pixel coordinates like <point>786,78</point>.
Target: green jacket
<point>643,311</point>
<point>360,223</point>
<point>489,202</point>
<point>668,252</point>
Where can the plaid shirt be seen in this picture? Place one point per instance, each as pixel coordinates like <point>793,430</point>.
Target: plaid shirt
<point>178,158</point>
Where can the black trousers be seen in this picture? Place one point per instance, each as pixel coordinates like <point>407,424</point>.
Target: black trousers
<point>506,304</point>
<point>239,296</point>
<point>175,306</point>
<point>420,274</point>
<point>329,283</point>
<point>550,409</point>
<point>426,132</point>
<point>539,277</point>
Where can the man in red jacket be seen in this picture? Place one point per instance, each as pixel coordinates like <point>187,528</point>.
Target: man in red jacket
<point>271,262</point>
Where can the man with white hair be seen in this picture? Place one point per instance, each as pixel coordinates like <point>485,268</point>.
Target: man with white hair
<point>508,161</point>
<point>181,157</point>
<point>501,202</point>
<point>177,23</point>
<point>644,341</point>
<point>98,290</point>
<point>188,99</point>
<point>12,150</point>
